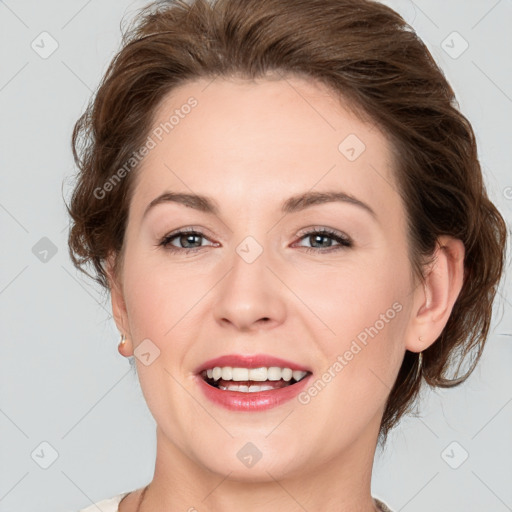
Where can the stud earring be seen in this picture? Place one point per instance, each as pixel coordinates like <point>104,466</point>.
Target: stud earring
<point>121,345</point>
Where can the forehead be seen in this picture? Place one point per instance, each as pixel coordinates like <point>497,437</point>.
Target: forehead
<point>266,139</point>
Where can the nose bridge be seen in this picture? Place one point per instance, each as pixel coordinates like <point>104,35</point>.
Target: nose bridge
<point>250,292</point>
<point>250,263</point>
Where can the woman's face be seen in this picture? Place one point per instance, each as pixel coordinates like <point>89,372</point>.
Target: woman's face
<point>257,280</point>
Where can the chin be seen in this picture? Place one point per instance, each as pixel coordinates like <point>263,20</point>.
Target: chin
<point>252,457</point>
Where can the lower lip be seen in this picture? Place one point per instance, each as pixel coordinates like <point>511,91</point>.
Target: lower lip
<point>257,401</point>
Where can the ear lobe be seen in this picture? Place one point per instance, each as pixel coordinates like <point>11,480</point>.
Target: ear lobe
<point>434,300</point>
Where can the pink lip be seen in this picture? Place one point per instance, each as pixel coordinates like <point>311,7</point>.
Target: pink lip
<point>250,361</point>
<point>251,402</point>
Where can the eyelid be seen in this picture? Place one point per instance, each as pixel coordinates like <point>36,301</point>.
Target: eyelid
<point>180,231</point>
<point>342,240</point>
<point>188,229</point>
<point>322,229</point>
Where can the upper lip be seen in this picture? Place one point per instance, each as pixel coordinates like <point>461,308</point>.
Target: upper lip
<point>250,361</point>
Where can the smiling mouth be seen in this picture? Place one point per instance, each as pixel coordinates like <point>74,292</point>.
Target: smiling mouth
<point>252,380</point>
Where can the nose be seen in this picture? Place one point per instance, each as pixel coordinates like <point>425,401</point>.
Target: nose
<point>251,295</point>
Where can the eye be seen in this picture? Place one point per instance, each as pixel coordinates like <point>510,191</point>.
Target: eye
<point>324,238</point>
<point>189,239</point>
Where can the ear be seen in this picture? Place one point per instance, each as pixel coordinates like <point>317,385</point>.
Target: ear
<point>434,300</point>
<point>118,304</point>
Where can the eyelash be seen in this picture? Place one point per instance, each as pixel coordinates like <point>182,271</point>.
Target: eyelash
<point>344,242</point>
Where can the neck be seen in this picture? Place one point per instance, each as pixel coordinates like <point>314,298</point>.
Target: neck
<point>341,484</point>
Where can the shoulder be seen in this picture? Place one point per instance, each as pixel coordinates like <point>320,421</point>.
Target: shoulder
<point>107,505</point>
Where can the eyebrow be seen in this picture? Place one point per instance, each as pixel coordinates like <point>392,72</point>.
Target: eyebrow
<point>291,205</point>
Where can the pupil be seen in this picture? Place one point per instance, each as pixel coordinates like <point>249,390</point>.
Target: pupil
<point>189,238</point>
<point>317,237</point>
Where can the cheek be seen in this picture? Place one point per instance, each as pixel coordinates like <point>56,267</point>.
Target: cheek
<point>146,307</point>
<point>369,337</point>
<point>152,285</point>
<point>149,295</point>
<point>361,365</point>
<point>366,311</point>
<point>354,297</point>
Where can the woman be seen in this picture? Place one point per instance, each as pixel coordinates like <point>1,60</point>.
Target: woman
<point>288,211</point>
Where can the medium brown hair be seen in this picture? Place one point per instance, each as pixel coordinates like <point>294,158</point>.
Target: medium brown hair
<point>373,60</point>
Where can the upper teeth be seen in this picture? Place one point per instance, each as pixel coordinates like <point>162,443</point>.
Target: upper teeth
<point>256,374</point>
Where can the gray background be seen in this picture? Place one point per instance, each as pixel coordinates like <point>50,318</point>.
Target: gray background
<point>62,379</point>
